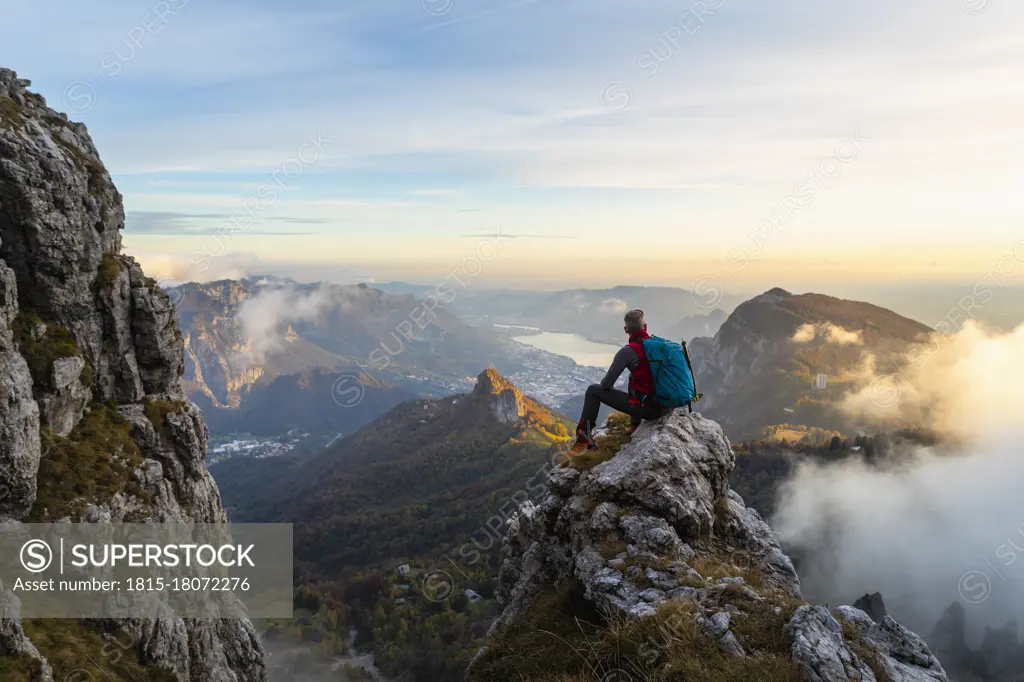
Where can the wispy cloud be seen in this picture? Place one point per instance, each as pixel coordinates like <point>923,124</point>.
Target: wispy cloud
<point>517,235</point>
<point>171,223</point>
<point>494,108</point>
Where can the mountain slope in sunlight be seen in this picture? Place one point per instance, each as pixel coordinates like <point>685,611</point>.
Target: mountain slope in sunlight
<point>416,481</point>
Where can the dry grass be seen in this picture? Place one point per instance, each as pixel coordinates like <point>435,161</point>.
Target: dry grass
<point>77,652</point>
<point>40,354</point>
<point>552,644</point>
<point>608,445</point>
<point>718,564</point>
<point>611,548</point>
<point>157,411</point>
<point>854,640</point>
<point>11,113</point>
<point>92,464</point>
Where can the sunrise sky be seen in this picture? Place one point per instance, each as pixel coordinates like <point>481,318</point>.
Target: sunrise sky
<point>642,142</point>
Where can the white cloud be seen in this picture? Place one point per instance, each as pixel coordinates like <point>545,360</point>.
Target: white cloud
<point>968,385</point>
<point>805,333</point>
<point>828,332</point>
<point>932,526</point>
<point>614,305</point>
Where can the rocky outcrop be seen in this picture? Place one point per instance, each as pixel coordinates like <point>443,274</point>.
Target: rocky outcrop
<point>655,527</point>
<point>500,396</point>
<point>84,328</point>
<point>849,645</point>
<point>625,530</point>
<point>873,605</point>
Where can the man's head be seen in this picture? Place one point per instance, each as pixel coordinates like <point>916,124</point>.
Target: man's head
<point>635,321</point>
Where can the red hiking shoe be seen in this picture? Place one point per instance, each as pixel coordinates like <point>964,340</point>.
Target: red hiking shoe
<point>631,429</point>
<point>582,443</point>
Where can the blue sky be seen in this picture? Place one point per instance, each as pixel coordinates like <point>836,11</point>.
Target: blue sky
<point>642,142</point>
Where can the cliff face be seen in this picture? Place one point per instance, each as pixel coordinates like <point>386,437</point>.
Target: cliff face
<point>682,579</point>
<point>88,346</point>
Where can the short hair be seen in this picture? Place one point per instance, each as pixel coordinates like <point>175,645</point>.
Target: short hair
<point>635,320</point>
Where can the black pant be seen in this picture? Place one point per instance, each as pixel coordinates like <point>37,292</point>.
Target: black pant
<point>617,400</point>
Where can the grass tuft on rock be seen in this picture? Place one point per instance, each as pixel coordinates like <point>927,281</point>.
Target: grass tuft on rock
<point>110,269</point>
<point>40,353</point>
<point>20,668</point>
<point>855,640</point>
<point>558,640</point>
<point>157,411</point>
<point>608,445</point>
<point>77,652</point>
<point>11,113</point>
<point>92,464</point>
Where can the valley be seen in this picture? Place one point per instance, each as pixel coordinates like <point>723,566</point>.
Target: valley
<point>441,476</point>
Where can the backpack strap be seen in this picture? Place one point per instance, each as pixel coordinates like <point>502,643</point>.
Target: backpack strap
<point>696,396</point>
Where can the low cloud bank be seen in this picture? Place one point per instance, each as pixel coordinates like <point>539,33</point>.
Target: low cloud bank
<point>265,317</point>
<point>932,525</point>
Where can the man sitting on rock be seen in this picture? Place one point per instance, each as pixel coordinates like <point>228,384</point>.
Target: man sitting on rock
<point>638,403</point>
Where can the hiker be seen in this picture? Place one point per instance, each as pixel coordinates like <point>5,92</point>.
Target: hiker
<point>638,403</point>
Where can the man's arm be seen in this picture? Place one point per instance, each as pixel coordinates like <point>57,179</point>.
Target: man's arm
<point>625,359</point>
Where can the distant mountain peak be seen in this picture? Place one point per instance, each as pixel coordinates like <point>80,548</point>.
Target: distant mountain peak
<point>773,295</point>
<point>501,396</point>
<point>756,372</point>
<point>491,382</point>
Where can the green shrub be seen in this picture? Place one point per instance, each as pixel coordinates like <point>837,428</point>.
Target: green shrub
<point>71,646</point>
<point>110,269</point>
<point>94,463</point>
<point>86,376</point>
<point>40,354</point>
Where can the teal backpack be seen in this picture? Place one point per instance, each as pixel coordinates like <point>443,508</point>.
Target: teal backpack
<point>674,385</point>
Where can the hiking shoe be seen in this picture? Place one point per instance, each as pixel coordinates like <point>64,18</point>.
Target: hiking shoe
<point>582,443</point>
<point>631,429</point>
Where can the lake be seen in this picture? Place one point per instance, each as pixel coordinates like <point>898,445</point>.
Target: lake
<point>583,351</point>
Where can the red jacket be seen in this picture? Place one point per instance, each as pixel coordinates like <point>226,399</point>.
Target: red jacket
<point>641,379</point>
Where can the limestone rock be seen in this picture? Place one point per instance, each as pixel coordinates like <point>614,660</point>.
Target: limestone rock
<point>665,498</point>
<point>873,605</point>
<point>819,649</point>
<point>824,653</point>
<point>677,468</point>
<point>60,262</point>
<point>903,654</point>
<point>13,641</point>
<point>19,413</point>
<point>64,407</point>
